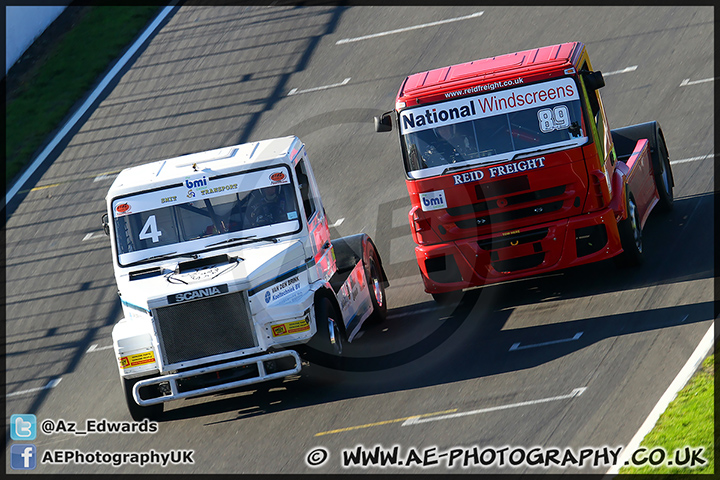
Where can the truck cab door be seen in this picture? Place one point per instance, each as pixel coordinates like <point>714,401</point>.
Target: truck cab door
<point>600,130</point>
<point>318,229</point>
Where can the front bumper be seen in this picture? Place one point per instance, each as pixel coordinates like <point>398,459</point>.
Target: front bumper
<point>519,253</point>
<point>174,380</point>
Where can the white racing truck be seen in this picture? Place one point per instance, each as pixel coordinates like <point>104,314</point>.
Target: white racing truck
<point>227,274</point>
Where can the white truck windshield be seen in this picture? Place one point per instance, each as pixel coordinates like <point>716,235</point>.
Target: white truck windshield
<point>491,126</point>
<point>182,219</point>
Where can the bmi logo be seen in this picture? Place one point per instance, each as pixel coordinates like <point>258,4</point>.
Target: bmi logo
<point>202,182</point>
<point>433,200</point>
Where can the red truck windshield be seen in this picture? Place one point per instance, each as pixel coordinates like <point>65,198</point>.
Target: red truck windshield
<point>492,128</point>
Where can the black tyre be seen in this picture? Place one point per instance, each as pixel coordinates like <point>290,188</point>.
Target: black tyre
<point>663,176</point>
<point>327,345</point>
<point>376,286</point>
<point>138,412</point>
<point>448,298</point>
<point>631,236</point>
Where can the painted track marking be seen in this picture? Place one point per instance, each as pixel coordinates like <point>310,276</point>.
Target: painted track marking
<point>93,236</point>
<point>95,348</point>
<point>624,70</point>
<point>386,422</point>
<point>687,81</point>
<point>516,346</point>
<point>416,420</point>
<point>51,384</point>
<point>295,91</point>
<point>407,29</point>
<point>692,159</point>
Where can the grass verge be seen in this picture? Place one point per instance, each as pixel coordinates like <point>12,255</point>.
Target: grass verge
<point>62,75</point>
<point>687,424</point>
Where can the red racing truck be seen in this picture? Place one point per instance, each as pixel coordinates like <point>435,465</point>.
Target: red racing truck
<point>513,171</point>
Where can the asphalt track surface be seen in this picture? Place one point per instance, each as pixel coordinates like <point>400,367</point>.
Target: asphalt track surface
<point>568,361</point>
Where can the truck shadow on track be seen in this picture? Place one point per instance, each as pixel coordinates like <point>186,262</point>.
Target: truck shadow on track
<point>425,345</point>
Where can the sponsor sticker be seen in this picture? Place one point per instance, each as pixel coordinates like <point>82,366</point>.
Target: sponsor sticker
<point>191,183</point>
<point>488,105</point>
<point>288,328</point>
<point>278,178</point>
<point>433,200</point>
<point>122,208</point>
<point>467,177</point>
<point>282,289</point>
<point>516,167</point>
<point>197,186</point>
<point>137,359</point>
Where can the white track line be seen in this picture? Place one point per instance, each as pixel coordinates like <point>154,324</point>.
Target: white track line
<point>416,420</point>
<point>95,348</point>
<point>51,384</point>
<point>88,103</point>
<point>692,159</point>
<point>687,81</point>
<point>407,29</point>
<point>516,346</point>
<point>680,381</point>
<point>295,91</point>
<point>624,70</point>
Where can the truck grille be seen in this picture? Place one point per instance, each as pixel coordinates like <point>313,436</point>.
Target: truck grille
<point>202,328</point>
<point>510,215</point>
<point>484,206</point>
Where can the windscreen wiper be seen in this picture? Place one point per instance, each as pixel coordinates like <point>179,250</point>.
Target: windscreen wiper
<point>158,257</point>
<point>472,165</point>
<point>231,240</point>
<point>538,151</point>
<point>240,239</point>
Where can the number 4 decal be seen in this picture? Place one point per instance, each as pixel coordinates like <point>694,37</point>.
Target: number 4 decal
<point>556,119</point>
<point>150,230</point>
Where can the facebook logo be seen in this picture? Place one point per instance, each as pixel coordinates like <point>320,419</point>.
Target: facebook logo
<point>23,427</point>
<point>22,457</point>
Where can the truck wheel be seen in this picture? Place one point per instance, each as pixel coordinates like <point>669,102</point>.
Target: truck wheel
<point>664,178</point>
<point>139,412</point>
<point>630,236</point>
<point>376,286</point>
<point>327,345</point>
<point>448,298</point>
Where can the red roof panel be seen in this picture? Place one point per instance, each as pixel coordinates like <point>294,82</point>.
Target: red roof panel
<point>561,53</point>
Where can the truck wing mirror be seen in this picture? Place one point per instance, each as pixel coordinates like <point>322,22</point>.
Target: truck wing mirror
<point>383,123</point>
<point>593,80</point>
<point>106,227</point>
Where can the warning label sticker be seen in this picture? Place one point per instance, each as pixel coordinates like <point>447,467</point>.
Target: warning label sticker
<point>296,326</point>
<point>137,359</point>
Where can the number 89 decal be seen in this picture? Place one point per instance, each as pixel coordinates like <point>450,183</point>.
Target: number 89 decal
<point>556,119</point>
